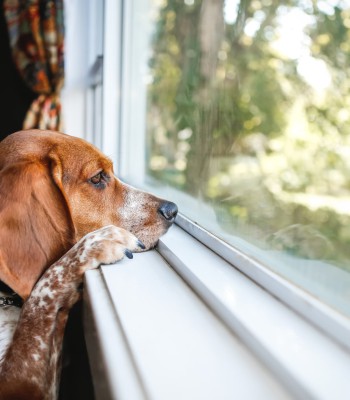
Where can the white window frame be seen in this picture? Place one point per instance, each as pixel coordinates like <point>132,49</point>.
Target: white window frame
<point>130,161</point>
<point>318,336</point>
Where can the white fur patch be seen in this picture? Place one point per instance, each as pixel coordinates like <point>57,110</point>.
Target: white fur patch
<point>8,320</point>
<point>134,205</point>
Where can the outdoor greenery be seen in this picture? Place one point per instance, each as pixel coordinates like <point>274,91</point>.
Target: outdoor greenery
<point>249,110</point>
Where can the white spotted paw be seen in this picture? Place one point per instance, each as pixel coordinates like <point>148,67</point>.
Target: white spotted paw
<point>106,246</point>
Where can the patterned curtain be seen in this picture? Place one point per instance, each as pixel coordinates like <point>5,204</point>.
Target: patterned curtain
<point>36,32</point>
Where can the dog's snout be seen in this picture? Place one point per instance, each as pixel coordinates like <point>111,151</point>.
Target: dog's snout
<point>168,210</point>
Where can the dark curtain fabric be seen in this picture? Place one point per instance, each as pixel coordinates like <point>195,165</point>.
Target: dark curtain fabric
<point>36,35</point>
<point>15,96</point>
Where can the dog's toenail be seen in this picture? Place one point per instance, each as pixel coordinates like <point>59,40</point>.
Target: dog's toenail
<point>128,253</point>
<point>141,245</point>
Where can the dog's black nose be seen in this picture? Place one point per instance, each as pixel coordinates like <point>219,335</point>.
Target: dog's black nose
<point>168,210</point>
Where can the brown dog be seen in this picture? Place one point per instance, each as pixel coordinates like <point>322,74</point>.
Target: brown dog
<point>54,190</point>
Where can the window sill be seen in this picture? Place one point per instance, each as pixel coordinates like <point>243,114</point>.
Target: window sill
<point>200,329</point>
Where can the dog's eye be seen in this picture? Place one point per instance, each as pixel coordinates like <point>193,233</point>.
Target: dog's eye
<point>96,179</point>
<point>99,180</point>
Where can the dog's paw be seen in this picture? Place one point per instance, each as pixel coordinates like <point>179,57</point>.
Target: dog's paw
<point>106,246</point>
<point>59,284</point>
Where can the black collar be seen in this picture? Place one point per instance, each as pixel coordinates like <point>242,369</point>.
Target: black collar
<point>11,298</point>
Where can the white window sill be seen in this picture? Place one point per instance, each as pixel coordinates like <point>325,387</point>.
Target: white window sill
<point>200,329</point>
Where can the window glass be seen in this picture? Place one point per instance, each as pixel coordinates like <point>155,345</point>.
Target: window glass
<point>247,113</point>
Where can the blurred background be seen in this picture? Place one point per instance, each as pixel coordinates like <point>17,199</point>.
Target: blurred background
<point>248,109</point>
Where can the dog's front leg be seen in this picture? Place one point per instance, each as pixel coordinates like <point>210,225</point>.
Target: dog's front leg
<point>29,367</point>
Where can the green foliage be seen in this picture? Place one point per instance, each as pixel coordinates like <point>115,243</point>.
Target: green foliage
<point>255,119</point>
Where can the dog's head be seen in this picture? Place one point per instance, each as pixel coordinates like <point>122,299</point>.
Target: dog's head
<point>56,188</point>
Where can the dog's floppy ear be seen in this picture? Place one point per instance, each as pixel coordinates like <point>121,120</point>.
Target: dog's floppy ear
<point>36,227</point>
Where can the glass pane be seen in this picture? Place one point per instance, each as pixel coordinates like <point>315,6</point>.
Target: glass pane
<point>248,112</point>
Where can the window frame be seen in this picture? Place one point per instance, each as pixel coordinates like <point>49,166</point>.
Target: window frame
<point>304,313</point>
<point>320,314</point>
<point>130,160</point>
<point>122,302</point>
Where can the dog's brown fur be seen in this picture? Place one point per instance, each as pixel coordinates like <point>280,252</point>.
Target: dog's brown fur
<point>54,190</point>
<point>47,203</point>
